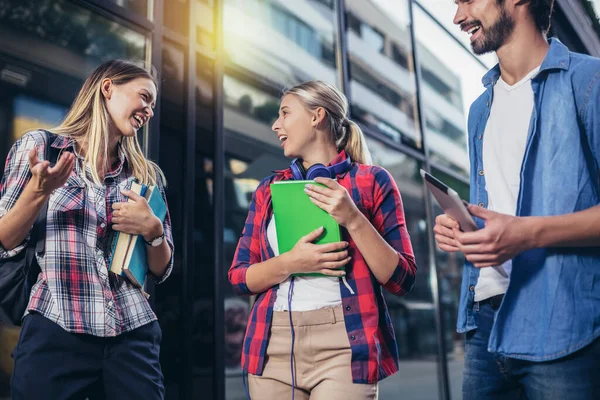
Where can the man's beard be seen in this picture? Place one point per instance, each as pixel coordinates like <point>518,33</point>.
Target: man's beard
<point>493,38</point>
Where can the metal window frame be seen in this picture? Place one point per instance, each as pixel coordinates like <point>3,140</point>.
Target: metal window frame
<point>442,361</point>
<point>111,9</point>
<point>187,387</point>
<point>218,203</point>
<point>152,133</point>
<point>581,23</point>
<point>193,49</point>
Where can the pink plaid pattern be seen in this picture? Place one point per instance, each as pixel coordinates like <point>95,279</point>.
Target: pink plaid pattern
<point>75,288</point>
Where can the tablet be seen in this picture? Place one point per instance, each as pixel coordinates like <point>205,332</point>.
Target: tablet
<point>454,207</point>
<point>450,202</point>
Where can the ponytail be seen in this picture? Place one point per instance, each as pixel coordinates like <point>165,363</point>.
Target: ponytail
<point>347,135</point>
<point>355,143</point>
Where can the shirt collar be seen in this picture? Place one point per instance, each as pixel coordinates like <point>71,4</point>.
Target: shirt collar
<point>556,58</point>
<point>64,142</point>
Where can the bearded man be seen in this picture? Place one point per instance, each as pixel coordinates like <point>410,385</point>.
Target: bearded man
<point>534,148</point>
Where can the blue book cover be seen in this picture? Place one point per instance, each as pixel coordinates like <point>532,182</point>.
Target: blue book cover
<point>129,251</point>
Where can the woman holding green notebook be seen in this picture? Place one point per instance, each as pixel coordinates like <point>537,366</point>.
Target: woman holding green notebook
<point>88,332</point>
<point>328,336</point>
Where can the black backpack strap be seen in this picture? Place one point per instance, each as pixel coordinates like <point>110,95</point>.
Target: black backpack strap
<point>38,233</point>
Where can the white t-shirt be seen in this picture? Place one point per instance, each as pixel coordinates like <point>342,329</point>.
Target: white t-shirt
<point>504,142</point>
<point>310,292</point>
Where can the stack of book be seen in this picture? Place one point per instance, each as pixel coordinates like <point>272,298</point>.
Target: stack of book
<point>129,251</point>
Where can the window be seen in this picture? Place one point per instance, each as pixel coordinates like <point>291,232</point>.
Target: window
<point>450,267</point>
<point>205,23</point>
<point>382,80</point>
<point>140,7</point>
<point>413,316</point>
<point>444,11</point>
<point>59,35</point>
<point>451,82</point>
<point>176,16</point>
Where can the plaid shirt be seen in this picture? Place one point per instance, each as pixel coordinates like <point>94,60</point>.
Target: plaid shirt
<point>75,288</point>
<point>369,327</point>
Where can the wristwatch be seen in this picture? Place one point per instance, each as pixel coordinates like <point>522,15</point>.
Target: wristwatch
<point>157,241</point>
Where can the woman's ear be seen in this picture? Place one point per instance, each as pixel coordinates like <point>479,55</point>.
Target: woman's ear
<point>106,87</point>
<point>318,117</point>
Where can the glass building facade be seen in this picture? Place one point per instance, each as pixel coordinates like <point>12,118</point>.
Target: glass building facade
<point>409,75</point>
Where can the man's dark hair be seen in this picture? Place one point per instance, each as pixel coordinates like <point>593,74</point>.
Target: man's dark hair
<point>540,10</point>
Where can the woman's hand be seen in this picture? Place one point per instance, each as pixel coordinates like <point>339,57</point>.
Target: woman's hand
<point>308,257</point>
<point>47,179</point>
<point>334,199</point>
<point>136,217</point>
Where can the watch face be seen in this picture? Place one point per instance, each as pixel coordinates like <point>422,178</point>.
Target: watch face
<point>157,241</point>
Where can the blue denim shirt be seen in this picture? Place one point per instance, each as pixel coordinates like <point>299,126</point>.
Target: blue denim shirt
<point>552,305</point>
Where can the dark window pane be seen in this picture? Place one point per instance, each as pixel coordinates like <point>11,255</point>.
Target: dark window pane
<point>451,82</point>
<point>204,101</point>
<point>177,16</point>
<point>202,267</point>
<point>173,86</point>
<point>168,297</point>
<point>450,268</point>
<point>205,23</point>
<point>60,35</point>
<point>413,315</point>
<point>443,12</point>
<point>140,7</point>
<point>381,69</point>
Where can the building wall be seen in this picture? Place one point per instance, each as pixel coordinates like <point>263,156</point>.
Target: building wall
<point>223,65</point>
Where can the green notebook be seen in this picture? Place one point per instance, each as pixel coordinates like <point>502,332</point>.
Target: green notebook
<point>296,216</point>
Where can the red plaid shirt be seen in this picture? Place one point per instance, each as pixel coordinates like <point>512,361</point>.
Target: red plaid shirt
<point>369,327</point>
<point>75,288</point>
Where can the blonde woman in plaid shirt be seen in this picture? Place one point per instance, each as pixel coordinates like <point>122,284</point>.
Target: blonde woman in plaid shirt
<point>88,332</point>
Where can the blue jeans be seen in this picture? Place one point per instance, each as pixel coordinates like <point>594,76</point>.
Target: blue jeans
<point>490,376</point>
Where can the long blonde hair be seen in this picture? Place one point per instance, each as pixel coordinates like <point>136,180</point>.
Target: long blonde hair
<point>88,118</point>
<point>346,134</point>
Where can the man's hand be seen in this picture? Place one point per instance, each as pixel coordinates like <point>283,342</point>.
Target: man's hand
<point>503,238</point>
<point>444,233</point>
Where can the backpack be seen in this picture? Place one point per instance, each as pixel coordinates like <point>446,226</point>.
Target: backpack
<point>18,274</point>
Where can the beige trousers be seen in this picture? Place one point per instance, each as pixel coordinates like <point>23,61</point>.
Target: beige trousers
<point>322,358</point>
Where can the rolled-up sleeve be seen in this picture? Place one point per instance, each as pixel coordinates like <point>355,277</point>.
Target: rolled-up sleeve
<point>167,229</point>
<point>247,252</point>
<point>15,179</point>
<point>388,218</point>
